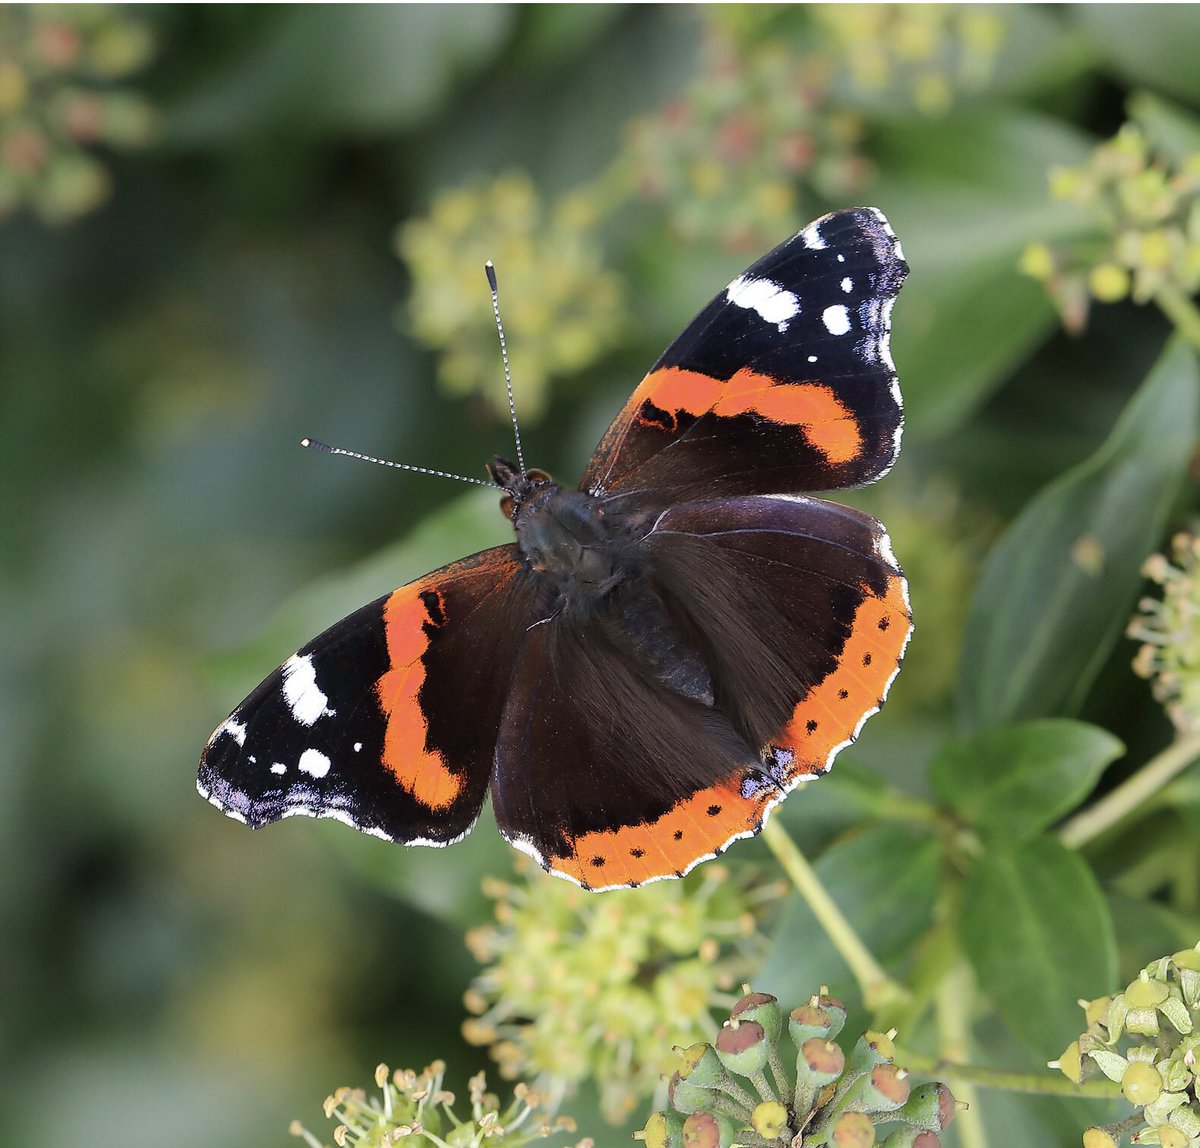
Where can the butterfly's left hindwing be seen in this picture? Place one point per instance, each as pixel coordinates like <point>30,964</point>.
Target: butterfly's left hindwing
<point>387,720</point>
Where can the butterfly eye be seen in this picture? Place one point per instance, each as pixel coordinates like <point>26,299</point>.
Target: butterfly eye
<point>537,476</point>
<point>506,506</point>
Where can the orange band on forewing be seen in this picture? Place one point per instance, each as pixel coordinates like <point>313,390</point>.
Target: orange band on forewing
<point>813,408</point>
<point>832,711</point>
<point>419,770</point>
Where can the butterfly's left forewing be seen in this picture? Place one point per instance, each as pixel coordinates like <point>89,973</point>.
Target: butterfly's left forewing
<point>386,721</point>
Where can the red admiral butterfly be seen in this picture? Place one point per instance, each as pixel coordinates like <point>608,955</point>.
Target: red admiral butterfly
<point>663,653</point>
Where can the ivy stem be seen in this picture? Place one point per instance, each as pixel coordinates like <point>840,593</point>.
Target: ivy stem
<point>1118,803</point>
<point>879,991</point>
<point>952,1006</point>
<point>1181,311</point>
<point>1030,1083</point>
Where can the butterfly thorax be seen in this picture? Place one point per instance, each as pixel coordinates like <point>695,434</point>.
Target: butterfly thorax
<point>564,537</point>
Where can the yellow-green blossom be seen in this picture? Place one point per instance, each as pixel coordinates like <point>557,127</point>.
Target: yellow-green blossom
<point>1169,630</point>
<point>416,1107</point>
<point>1147,1040</point>
<point>57,99</point>
<point>1146,211</point>
<point>584,987</point>
<point>562,307</point>
<point>730,158</point>
<point>925,54</point>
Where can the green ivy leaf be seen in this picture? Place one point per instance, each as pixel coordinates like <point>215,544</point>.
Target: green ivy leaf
<point>885,879</point>
<point>1058,587</point>
<point>1014,782</point>
<point>1158,52</point>
<point>1039,935</point>
<point>966,195</point>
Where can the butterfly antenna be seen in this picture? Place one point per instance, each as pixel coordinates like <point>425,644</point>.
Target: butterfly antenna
<point>327,449</point>
<point>512,406</point>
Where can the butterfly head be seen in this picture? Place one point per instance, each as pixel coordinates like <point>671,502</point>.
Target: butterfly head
<point>518,486</point>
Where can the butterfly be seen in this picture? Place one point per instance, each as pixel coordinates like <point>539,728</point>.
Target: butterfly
<point>661,654</point>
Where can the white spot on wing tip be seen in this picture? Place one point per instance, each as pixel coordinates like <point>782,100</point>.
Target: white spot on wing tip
<point>301,692</point>
<point>234,728</point>
<point>278,767</point>
<point>836,319</point>
<point>811,237</point>
<point>314,763</point>
<point>767,299</point>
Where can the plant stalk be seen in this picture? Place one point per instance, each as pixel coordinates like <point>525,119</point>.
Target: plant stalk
<point>1114,806</point>
<point>879,991</point>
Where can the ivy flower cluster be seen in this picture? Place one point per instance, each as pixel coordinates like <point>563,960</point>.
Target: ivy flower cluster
<point>925,54</point>
<point>415,1106</point>
<point>58,67</point>
<point>578,987</point>
<point>1147,1040</point>
<point>741,1089</point>
<point>562,306</point>
<point>731,156</point>
<point>1146,210</point>
<point>1169,630</point>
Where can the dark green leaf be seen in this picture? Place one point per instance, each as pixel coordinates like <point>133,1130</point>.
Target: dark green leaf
<point>1158,52</point>
<point>885,880</point>
<point>355,68</point>
<point>1012,783</point>
<point>1058,587</point>
<point>1039,936</point>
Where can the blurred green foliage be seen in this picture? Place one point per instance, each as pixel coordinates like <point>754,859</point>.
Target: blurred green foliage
<point>173,317</point>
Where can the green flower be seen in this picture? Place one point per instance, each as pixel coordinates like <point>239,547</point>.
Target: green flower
<point>1146,212</point>
<point>414,1106</point>
<point>1169,630</point>
<point>925,54</point>
<point>581,987</point>
<point>57,65</point>
<point>562,308</point>
<point>1146,1040</point>
<point>741,1090</point>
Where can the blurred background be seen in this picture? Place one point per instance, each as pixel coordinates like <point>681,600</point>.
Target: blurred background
<point>225,228</point>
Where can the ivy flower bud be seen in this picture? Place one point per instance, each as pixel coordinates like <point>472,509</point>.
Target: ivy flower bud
<point>762,1008</point>
<point>820,1062</point>
<point>819,1016</point>
<point>709,1130</point>
<point>872,1048</point>
<point>1141,1084</point>
<point>930,1106</point>
<point>852,1130</point>
<point>769,1119</point>
<point>912,1138</point>
<point>662,1130</point>
<point>743,1047</point>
